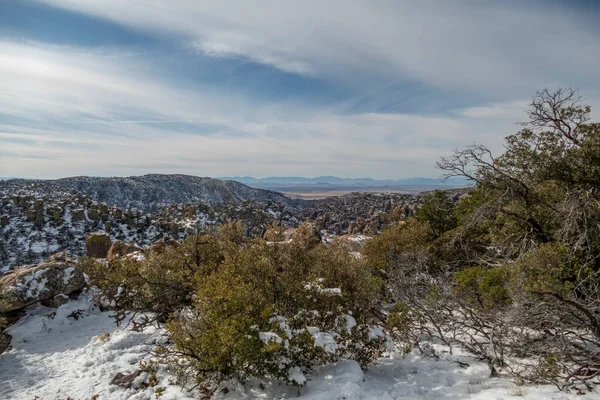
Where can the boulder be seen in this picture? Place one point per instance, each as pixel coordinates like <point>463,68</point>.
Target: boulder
<point>4,342</point>
<point>93,214</point>
<point>28,285</point>
<point>78,214</point>
<point>174,228</point>
<point>30,214</point>
<point>97,244</point>
<point>159,245</point>
<point>4,220</point>
<point>120,248</point>
<point>125,379</point>
<point>56,301</point>
<point>288,234</point>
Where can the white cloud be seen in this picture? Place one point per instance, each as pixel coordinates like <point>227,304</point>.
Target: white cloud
<point>499,47</point>
<point>496,110</point>
<point>83,112</point>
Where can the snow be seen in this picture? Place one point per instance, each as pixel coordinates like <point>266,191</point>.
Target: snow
<point>43,247</point>
<point>326,341</point>
<point>375,332</point>
<point>33,284</point>
<point>350,322</point>
<point>331,291</point>
<point>138,256</point>
<point>316,285</point>
<point>268,337</point>
<point>76,350</point>
<point>295,375</point>
<point>283,325</point>
<point>360,239</point>
<point>312,329</point>
<point>68,275</point>
<point>401,377</point>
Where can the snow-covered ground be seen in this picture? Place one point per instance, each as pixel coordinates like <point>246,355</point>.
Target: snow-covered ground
<point>75,351</point>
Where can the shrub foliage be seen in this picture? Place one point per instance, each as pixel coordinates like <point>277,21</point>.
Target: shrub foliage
<point>238,307</point>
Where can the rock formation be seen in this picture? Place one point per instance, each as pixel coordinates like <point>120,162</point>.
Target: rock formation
<point>31,284</point>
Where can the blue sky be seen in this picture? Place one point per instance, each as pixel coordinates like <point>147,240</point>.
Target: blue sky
<point>376,89</point>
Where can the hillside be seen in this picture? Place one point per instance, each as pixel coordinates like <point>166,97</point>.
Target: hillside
<point>41,217</point>
<point>152,192</point>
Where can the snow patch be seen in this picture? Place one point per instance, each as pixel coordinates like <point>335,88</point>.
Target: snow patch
<point>295,375</point>
<point>270,337</point>
<point>350,322</point>
<point>68,275</point>
<point>326,341</point>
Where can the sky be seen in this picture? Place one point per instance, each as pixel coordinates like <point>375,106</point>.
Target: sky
<point>372,88</point>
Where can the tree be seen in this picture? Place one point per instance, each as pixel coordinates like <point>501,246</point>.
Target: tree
<point>438,210</point>
<point>515,271</point>
<point>539,205</point>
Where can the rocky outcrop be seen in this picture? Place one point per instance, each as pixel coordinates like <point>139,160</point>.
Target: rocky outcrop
<point>120,248</point>
<point>61,256</point>
<point>288,234</point>
<point>31,284</point>
<point>4,342</point>
<point>97,245</point>
<point>159,245</point>
<point>354,242</point>
<point>126,379</point>
<point>365,212</point>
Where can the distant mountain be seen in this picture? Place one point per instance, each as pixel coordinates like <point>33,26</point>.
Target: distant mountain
<point>334,180</point>
<point>152,192</point>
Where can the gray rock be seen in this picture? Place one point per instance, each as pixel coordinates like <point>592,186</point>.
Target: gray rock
<point>28,285</point>
<point>56,301</point>
<point>120,248</point>
<point>4,342</point>
<point>97,244</point>
<point>125,380</point>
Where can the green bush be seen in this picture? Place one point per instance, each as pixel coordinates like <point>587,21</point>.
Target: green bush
<point>394,243</point>
<point>162,282</point>
<point>269,311</point>
<point>237,307</point>
<point>438,210</point>
<point>483,288</point>
<point>547,269</point>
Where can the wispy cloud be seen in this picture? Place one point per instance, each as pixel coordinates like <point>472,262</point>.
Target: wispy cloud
<point>498,46</point>
<point>83,131</point>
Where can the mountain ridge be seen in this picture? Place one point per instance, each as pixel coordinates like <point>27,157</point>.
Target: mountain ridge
<point>248,180</point>
<point>152,191</point>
